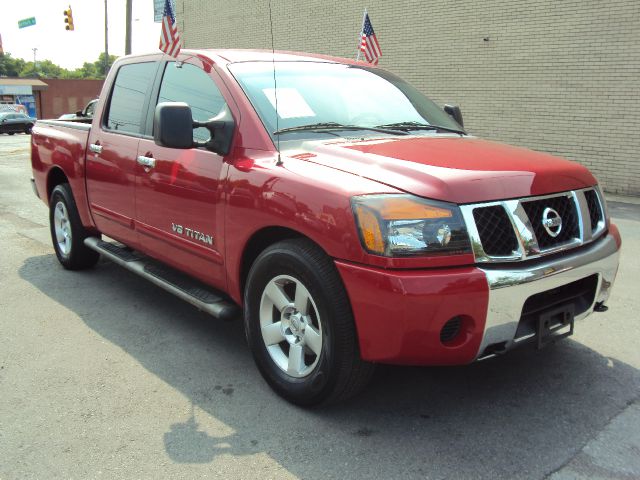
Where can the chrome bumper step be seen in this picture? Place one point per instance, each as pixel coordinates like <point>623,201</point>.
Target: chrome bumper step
<point>181,285</point>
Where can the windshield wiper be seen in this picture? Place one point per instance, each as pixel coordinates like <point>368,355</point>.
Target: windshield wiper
<point>326,126</point>
<point>407,126</point>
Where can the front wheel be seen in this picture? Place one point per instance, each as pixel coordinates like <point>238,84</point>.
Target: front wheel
<point>67,232</point>
<point>299,325</point>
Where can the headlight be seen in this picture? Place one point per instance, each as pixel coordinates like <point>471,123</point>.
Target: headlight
<point>404,225</point>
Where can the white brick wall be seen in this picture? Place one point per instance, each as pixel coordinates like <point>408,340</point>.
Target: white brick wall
<point>556,76</point>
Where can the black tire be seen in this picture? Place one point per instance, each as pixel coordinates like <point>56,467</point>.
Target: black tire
<point>11,133</point>
<point>74,255</point>
<point>27,129</point>
<point>338,372</point>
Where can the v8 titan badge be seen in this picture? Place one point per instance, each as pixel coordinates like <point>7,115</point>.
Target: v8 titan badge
<point>191,233</point>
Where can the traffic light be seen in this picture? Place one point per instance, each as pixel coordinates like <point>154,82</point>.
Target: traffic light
<point>68,18</point>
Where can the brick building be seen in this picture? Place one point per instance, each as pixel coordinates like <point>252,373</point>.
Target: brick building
<point>47,97</point>
<point>560,77</point>
<point>66,96</point>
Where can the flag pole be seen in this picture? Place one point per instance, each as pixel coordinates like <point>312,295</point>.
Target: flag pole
<point>364,15</point>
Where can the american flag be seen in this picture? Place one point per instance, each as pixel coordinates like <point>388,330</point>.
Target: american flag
<point>369,43</point>
<point>169,36</point>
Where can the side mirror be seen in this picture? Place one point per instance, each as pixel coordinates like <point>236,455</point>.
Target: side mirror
<point>173,127</point>
<point>455,113</point>
<point>221,128</point>
<point>79,113</point>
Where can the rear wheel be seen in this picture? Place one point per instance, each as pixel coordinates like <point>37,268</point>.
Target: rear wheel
<point>300,327</point>
<point>67,232</point>
<point>27,129</point>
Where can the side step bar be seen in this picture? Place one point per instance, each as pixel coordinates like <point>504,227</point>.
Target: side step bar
<point>181,285</point>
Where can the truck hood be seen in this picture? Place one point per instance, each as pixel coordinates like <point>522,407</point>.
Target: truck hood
<point>450,168</point>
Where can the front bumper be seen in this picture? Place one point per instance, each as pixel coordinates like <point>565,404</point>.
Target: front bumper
<point>510,288</point>
<point>399,314</point>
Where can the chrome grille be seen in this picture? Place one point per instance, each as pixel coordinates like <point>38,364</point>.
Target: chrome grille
<point>595,210</point>
<point>513,230</point>
<point>496,232</point>
<point>566,208</point>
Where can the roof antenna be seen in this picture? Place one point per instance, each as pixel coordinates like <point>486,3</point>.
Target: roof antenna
<point>275,85</point>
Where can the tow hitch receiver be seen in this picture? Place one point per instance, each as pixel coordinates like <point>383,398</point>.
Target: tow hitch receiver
<point>551,322</point>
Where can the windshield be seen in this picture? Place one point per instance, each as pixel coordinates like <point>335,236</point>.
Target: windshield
<point>312,93</point>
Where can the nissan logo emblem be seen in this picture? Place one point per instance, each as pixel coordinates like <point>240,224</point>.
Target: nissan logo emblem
<point>552,222</point>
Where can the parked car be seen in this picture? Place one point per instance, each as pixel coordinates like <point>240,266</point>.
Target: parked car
<point>348,218</point>
<point>85,114</point>
<point>15,122</point>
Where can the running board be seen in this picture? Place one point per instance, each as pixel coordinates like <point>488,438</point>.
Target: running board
<point>181,285</point>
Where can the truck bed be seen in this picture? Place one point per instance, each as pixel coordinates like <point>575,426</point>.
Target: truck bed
<point>59,147</point>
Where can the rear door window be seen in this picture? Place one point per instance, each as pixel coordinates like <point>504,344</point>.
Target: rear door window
<point>129,95</point>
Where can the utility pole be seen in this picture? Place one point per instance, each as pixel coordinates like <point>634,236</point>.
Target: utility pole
<point>127,37</point>
<point>106,40</point>
<point>35,65</point>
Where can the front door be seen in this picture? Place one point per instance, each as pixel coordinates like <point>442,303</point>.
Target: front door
<point>178,192</point>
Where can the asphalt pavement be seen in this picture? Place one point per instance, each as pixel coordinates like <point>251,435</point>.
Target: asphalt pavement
<point>103,375</point>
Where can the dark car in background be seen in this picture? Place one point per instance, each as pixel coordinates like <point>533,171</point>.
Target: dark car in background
<point>15,122</point>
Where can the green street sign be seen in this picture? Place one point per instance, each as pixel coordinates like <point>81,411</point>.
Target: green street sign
<point>27,22</point>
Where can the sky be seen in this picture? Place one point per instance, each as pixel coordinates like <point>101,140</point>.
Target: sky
<point>70,49</point>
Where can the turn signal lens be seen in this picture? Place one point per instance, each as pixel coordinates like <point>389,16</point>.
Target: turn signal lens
<point>370,230</point>
<point>404,225</point>
<point>402,208</point>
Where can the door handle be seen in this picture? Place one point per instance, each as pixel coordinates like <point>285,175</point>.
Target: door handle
<point>148,162</point>
<point>95,148</point>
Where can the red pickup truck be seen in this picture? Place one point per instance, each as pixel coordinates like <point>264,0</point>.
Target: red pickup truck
<point>344,216</point>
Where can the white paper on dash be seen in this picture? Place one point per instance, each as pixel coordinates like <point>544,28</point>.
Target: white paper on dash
<point>290,103</point>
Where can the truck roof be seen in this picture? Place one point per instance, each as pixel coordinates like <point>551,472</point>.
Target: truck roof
<point>258,55</point>
<point>237,55</point>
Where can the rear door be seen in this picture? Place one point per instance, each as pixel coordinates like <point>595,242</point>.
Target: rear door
<point>112,148</point>
<point>178,199</point>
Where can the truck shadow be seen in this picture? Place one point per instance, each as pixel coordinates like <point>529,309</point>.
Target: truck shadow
<point>521,415</point>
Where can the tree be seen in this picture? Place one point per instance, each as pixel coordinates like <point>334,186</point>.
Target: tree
<point>9,66</point>
<point>17,67</point>
<point>100,64</point>
<point>45,68</point>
